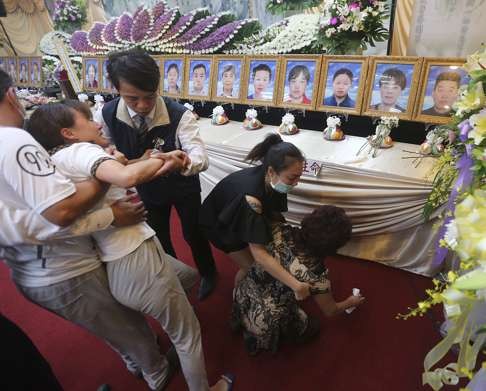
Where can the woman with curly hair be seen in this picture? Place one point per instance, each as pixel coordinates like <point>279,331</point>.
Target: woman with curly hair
<point>267,310</point>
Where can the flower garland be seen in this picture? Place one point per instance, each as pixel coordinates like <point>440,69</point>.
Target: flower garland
<point>143,22</point>
<point>223,37</point>
<point>295,34</point>
<point>348,26</point>
<point>95,36</point>
<point>164,30</point>
<point>461,183</point>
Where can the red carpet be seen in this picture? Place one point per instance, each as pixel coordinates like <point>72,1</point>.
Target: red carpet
<point>368,350</point>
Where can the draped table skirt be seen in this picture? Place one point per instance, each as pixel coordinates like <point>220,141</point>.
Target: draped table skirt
<point>384,196</point>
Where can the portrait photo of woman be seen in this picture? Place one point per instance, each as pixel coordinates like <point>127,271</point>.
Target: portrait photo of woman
<point>91,74</point>
<point>262,76</point>
<point>24,71</point>
<point>297,83</point>
<point>173,76</point>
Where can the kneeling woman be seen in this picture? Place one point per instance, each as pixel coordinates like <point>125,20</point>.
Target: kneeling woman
<point>238,213</point>
<point>265,309</point>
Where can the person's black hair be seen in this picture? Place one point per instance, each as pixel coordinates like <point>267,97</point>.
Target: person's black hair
<point>298,69</point>
<point>46,122</point>
<point>173,66</point>
<point>5,83</point>
<point>343,71</point>
<point>200,65</point>
<point>276,153</point>
<point>134,67</point>
<point>262,67</point>
<point>394,74</point>
<point>324,231</point>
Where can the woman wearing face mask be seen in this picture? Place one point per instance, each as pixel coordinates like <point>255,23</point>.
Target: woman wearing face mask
<point>238,213</point>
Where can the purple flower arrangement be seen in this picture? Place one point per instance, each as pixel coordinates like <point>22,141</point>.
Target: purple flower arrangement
<point>108,34</point>
<point>162,30</point>
<point>142,25</point>
<point>68,14</point>
<point>123,29</point>
<point>161,25</point>
<point>80,44</point>
<point>95,36</point>
<point>158,9</point>
<point>217,39</point>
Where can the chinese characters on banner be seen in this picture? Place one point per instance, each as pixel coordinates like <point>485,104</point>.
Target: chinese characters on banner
<point>312,167</point>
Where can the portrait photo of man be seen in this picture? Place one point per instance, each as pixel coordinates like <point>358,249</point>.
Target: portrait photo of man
<point>199,84</point>
<point>444,94</point>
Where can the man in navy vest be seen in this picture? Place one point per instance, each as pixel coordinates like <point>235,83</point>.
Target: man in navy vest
<point>140,121</point>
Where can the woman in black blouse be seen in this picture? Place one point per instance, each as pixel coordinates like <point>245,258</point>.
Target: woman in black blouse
<point>238,213</point>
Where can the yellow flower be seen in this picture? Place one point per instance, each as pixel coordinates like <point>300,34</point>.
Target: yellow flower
<point>478,121</point>
<point>471,99</point>
<point>470,218</point>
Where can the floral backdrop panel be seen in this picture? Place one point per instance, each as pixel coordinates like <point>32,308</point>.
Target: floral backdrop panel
<point>241,8</point>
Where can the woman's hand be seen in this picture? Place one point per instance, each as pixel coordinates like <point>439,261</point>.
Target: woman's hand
<point>354,301</point>
<point>301,290</point>
<point>111,150</point>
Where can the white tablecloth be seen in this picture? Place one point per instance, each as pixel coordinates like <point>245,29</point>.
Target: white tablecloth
<point>384,196</point>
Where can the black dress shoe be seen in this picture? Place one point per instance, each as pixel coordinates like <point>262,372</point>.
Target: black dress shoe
<point>104,387</point>
<point>208,284</point>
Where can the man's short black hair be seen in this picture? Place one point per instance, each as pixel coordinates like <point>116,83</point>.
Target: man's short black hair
<point>200,65</point>
<point>262,67</point>
<point>5,83</point>
<point>134,67</point>
<point>343,71</point>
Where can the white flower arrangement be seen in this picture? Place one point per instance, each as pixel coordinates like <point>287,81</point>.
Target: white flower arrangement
<point>298,32</point>
<point>389,121</point>
<point>288,119</point>
<point>218,110</point>
<point>333,121</point>
<point>251,113</point>
<point>82,97</point>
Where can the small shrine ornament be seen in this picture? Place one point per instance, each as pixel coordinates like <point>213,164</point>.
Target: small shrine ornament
<point>190,107</point>
<point>381,138</point>
<point>251,121</point>
<point>219,117</point>
<point>333,130</point>
<point>288,125</point>
<point>435,141</point>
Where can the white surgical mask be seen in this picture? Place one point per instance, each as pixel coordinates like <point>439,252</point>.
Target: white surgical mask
<point>281,187</point>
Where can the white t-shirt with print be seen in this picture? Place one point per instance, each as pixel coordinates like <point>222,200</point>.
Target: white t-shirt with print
<point>76,162</point>
<point>29,184</point>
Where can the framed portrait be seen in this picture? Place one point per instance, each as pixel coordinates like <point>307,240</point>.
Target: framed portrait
<point>3,64</point>
<point>23,75</point>
<point>12,69</point>
<point>35,67</point>
<point>106,85</point>
<point>172,76</point>
<point>342,82</point>
<point>261,76</point>
<point>441,81</point>
<point>198,74</point>
<point>392,86</point>
<point>299,81</point>
<point>228,78</point>
<point>91,74</point>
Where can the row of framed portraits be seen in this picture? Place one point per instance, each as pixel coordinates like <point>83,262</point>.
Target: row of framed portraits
<point>413,88</point>
<point>24,71</point>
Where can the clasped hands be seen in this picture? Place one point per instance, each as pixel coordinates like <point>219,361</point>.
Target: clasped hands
<point>173,161</point>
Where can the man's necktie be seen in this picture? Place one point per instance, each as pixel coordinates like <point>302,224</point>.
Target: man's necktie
<point>142,129</point>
